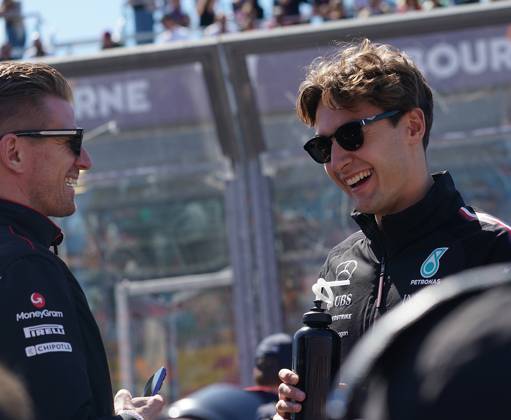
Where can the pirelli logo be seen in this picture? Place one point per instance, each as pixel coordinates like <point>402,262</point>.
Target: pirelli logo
<point>43,329</point>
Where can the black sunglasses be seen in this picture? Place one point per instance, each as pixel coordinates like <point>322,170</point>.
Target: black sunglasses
<point>349,136</point>
<point>74,136</point>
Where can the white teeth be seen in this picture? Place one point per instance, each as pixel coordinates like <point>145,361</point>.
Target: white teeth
<point>71,182</point>
<point>354,179</point>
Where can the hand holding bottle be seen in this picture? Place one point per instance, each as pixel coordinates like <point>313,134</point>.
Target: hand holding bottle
<point>289,395</point>
<point>316,360</point>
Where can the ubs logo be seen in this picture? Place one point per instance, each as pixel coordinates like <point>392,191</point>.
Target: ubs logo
<point>343,300</point>
<point>322,289</point>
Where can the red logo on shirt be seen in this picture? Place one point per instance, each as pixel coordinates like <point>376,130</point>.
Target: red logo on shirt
<point>37,300</point>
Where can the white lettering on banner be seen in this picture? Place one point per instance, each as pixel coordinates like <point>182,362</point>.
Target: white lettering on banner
<point>38,314</point>
<point>95,101</point>
<point>445,60</point>
<point>500,49</point>
<point>474,63</point>
<point>43,329</point>
<point>136,96</point>
<point>48,348</point>
<point>110,99</point>
<point>85,102</point>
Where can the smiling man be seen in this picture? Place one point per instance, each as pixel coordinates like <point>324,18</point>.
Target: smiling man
<point>50,338</point>
<point>373,111</point>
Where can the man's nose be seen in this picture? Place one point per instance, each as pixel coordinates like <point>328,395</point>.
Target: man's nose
<point>84,161</point>
<point>339,157</point>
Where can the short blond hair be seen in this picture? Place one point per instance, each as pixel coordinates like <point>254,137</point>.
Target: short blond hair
<point>365,72</point>
<point>24,85</point>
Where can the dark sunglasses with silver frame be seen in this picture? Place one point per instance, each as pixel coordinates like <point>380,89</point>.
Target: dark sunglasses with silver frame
<point>73,135</point>
<point>349,136</point>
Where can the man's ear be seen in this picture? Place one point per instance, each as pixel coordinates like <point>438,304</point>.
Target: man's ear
<point>416,125</point>
<point>12,153</point>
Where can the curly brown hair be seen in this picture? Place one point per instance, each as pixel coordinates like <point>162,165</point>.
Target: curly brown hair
<point>365,72</point>
<point>23,86</point>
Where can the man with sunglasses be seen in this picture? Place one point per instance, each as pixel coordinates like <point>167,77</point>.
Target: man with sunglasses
<point>50,338</point>
<point>373,110</point>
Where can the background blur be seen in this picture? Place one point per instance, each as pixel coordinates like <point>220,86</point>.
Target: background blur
<point>203,224</point>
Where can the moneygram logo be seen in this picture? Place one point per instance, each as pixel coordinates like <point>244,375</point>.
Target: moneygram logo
<point>38,314</point>
<point>38,300</point>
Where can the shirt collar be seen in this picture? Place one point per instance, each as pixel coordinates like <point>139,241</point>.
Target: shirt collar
<point>400,229</point>
<point>30,224</point>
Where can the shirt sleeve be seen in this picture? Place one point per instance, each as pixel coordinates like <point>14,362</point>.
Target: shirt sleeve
<point>42,340</point>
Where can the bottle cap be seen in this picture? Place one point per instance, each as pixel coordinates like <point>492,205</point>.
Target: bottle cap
<point>317,317</point>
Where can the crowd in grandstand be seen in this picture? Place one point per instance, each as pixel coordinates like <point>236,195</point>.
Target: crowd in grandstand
<point>162,21</point>
<point>249,14</point>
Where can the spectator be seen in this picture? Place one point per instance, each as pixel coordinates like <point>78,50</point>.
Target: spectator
<point>247,17</point>
<point>107,42</point>
<point>36,49</point>
<point>219,27</point>
<point>10,10</point>
<point>173,31</point>
<point>174,8</point>
<point>238,4</point>
<point>206,12</point>
<point>367,8</point>
<point>6,52</point>
<point>336,10</point>
<point>409,6</point>
<point>321,9</point>
<point>272,354</point>
<point>289,11</point>
<point>144,20</point>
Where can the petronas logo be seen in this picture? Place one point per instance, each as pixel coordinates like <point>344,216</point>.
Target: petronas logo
<point>431,264</point>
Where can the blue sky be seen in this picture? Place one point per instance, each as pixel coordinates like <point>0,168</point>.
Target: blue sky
<point>72,20</point>
<point>66,20</point>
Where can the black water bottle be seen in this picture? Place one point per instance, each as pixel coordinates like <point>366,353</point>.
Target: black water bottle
<point>316,360</point>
